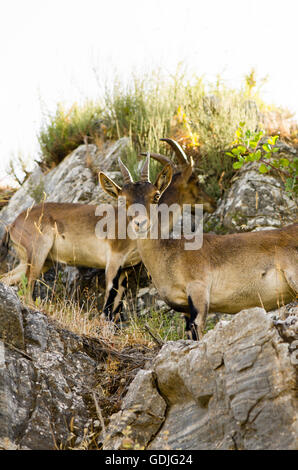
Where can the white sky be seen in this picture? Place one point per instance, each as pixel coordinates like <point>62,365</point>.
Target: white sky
<point>50,48</point>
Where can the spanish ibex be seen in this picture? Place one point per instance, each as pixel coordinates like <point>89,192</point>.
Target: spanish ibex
<point>227,274</point>
<point>65,233</point>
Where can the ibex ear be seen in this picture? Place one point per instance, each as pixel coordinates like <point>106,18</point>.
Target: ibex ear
<point>164,178</point>
<point>108,185</point>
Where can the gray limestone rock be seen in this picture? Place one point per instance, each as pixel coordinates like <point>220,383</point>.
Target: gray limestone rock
<point>254,201</point>
<point>46,377</point>
<point>233,390</point>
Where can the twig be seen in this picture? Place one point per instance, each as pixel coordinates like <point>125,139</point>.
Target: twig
<point>18,350</point>
<point>278,170</point>
<point>99,414</point>
<point>53,434</point>
<point>157,341</point>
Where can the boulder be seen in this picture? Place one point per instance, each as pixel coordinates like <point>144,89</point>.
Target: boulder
<point>49,378</point>
<point>45,379</point>
<point>254,201</point>
<point>235,389</point>
<point>11,321</point>
<point>142,410</point>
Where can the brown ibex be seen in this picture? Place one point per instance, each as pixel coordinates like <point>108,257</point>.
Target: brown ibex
<point>65,232</point>
<point>227,274</point>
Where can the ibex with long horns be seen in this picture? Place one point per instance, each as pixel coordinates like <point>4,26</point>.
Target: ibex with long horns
<point>227,274</point>
<point>66,233</point>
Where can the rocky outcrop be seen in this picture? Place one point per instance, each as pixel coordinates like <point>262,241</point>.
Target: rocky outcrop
<point>49,378</point>
<point>233,390</point>
<point>45,378</point>
<point>254,201</point>
<point>142,415</point>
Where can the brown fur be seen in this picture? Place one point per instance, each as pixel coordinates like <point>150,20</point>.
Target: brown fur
<point>65,232</point>
<point>229,273</point>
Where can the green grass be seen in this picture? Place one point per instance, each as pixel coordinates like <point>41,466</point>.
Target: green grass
<point>163,324</point>
<point>203,117</point>
<point>65,130</point>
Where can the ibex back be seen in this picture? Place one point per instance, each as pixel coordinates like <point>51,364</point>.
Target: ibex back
<point>229,273</point>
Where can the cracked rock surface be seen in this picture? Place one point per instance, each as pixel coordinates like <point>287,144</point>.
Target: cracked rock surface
<point>52,380</point>
<point>46,374</point>
<point>254,201</point>
<point>236,389</point>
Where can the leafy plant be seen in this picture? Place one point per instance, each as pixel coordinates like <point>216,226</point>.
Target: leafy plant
<point>251,147</point>
<point>165,325</point>
<point>23,288</point>
<point>24,291</point>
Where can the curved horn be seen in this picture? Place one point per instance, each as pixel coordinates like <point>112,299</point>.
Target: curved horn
<point>160,158</point>
<point>145,169</point>
<point>181,155</point>
<point>127,178</point>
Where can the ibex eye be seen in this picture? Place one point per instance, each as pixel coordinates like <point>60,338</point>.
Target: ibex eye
<point>156,197</point>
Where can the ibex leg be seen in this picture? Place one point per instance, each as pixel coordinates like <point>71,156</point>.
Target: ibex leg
<point>41,246</point>
<point>114,287</point>
<point>198,301</point>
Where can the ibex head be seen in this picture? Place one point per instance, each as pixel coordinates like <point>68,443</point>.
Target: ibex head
<point>182,186</point>
<point>143,192</point>
<point>185,187</point>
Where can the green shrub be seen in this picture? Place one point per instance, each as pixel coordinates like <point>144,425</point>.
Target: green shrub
<point>202,117</point>
<point>250,147</point>
<point>64,131</point>
<point>144,108</point>
<point>164,325</point>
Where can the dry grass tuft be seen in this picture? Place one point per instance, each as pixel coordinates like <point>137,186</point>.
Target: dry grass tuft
<point>6,194</point>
